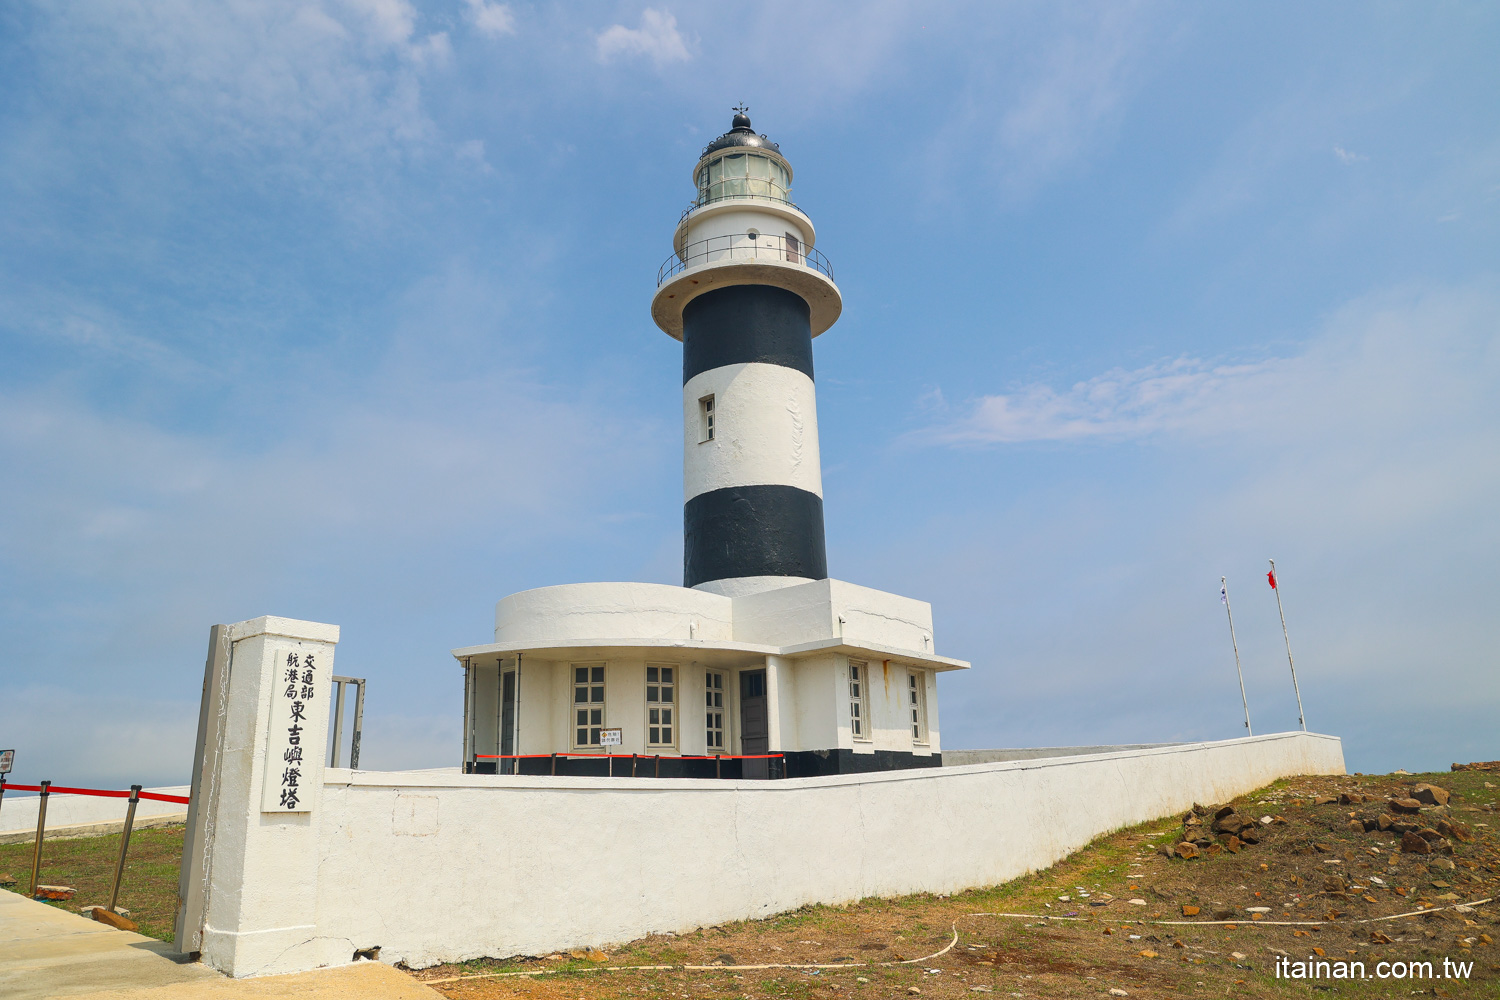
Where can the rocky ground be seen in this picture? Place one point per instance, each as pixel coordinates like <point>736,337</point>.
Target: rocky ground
<point>1363,868</point>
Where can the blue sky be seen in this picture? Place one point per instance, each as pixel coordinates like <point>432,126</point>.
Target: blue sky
<point>338,310</point>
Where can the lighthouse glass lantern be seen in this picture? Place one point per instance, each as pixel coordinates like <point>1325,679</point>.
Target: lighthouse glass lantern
<point>760,665</point>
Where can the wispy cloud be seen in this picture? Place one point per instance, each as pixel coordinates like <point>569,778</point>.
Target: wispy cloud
<point>656,39</point>
<point>1374,367</point>
<point>493,19</point>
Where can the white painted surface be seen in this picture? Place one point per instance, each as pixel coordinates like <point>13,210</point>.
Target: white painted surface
<point>18,810</point>
<point>441,867</point>
<point>740,586</point>
<point>732,218</point>
<point>592,611</point>
<point>766,430</point>
<point>810,612</point>
<point>263,868</point>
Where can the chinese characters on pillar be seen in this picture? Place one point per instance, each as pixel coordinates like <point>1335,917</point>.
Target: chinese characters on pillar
<point>292,754</point>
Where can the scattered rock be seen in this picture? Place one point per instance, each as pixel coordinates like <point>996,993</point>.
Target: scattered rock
<point>1432,795</point>
<point>595,955</point>
<point>53,892</point>
<point>1137,902</point>
<point>1442,863</point>
<point>1378,938</point>
<point>1190,911</point>
<point>1408,806</point>
<point>1115,991</point>
<point>1213,849</point>
<point>1456,831</point>
<point>1357,825</point>
<point>913,991</point>
<point>7,879</point>
<point>1257,909</point>
<point>88,910</point>
<point>1186,850</point>
<point>1238,956</point>
<point>1148,953</point>
<point>1233,844</point>
<point>1223,914</point>
<point>105,916</point>
<point>1335,883</point>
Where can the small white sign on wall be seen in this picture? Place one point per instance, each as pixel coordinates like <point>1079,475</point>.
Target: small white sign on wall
<point>611,737</point>
<point>299,710</point>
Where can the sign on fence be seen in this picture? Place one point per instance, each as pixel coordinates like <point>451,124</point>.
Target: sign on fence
<point>7,759</point>
<point>611,737</point>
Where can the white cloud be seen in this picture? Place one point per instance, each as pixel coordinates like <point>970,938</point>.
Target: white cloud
<point>1345,156</point>
<point>657,39</point>
<point>1378,365</point>
<point>493,19</point>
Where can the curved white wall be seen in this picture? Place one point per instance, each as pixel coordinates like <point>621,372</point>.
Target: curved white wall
<point>593,611</point>
<point>766,430</point>
<point>709,223</point>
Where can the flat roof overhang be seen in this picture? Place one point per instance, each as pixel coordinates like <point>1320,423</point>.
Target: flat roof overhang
<point>710,652</point>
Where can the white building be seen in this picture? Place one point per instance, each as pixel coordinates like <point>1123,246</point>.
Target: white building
<point>759,665</point>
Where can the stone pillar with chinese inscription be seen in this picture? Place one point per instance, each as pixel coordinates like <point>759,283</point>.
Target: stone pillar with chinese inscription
<point>264,797</point>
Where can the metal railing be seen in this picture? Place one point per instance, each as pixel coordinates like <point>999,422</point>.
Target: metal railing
<point>698,203</point>
<point>744,246</point>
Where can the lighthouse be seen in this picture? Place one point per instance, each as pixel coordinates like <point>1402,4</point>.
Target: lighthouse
<point>745,292</point>
<point>760,665</point>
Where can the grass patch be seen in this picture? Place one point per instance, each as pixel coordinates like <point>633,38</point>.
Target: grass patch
<point>148,890</point>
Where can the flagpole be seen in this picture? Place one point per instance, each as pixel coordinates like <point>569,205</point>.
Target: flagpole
<point>1224,593</point>
<point>1275,585</point>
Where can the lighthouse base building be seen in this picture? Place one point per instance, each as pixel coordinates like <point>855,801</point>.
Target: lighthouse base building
<point>832,677</point>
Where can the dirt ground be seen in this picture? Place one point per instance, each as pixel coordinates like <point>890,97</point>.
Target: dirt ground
<point>1110,920</point>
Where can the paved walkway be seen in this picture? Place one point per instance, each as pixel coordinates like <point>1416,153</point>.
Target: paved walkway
<point>49,952</point>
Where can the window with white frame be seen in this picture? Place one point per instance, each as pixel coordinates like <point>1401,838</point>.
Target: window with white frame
<point>588,705</point>
<point>916,687</point>
<point>713,713</point>
<point>706,419</point>
<point>859,709</point>
<point>661,703</point>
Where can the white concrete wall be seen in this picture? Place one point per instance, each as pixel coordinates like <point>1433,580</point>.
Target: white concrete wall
<point>440,867</point>
<point>811,611</point>
<point>765,430</point>
<point>591,611</point>
<point>18,811</point>
<point>725,220</point>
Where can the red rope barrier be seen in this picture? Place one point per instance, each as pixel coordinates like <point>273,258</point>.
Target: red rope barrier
<point>101,792</point>
<point>622,756</point>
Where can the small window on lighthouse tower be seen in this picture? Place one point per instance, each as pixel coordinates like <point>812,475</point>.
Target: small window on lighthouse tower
<point>705,419</point>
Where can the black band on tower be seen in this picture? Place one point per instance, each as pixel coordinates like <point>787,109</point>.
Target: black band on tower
<point>753,531</point>
<point>743,324</point>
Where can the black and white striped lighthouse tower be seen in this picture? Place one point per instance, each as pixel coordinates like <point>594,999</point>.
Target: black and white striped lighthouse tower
<point>745,291</point>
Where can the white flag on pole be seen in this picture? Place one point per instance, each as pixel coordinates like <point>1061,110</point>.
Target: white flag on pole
<point>1224,595</point>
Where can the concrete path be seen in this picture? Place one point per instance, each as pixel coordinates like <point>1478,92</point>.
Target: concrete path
<point>48,952</point>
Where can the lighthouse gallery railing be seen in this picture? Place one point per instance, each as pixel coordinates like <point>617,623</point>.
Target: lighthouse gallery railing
<point>744,246</point>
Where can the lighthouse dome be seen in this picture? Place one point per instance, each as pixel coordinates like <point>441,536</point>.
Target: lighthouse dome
<point>742,164</point>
